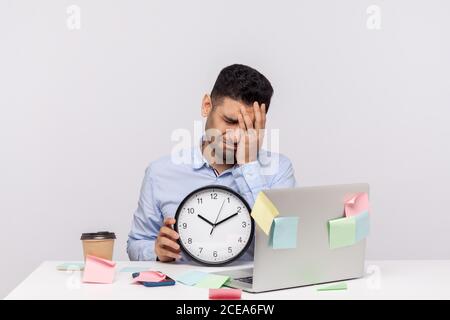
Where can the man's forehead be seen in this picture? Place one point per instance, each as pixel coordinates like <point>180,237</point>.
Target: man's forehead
<point>232,108</point>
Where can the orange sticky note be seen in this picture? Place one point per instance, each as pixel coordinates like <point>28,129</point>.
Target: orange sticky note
<point>150,276</point>
<point>98,270</point>
<point>357,204</point>
<point>225,294</point>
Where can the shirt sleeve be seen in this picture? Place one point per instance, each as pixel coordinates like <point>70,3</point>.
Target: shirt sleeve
<point>251,178</point>
<point>147,221</point>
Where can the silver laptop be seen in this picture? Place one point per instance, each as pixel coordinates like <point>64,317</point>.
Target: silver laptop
<point>312,262</point>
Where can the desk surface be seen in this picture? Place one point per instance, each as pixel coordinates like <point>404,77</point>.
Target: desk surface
<point>394,279</point>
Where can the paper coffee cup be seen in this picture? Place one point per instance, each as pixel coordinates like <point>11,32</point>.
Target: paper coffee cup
<point>98,244</point>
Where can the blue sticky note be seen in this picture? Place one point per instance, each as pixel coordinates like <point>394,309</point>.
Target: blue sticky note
<point>283,233</point>
<point>134,269</point>
<point>191,278</point>
<point>362,225</point>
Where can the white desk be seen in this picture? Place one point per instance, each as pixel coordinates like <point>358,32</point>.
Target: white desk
<point>402,279</point>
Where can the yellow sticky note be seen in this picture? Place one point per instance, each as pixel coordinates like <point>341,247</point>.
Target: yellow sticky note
<point>264,211</point>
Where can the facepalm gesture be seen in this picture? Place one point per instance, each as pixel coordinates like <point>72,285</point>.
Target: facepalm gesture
<point>251,132</point>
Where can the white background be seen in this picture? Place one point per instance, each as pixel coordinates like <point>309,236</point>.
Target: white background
<point>82,112</point>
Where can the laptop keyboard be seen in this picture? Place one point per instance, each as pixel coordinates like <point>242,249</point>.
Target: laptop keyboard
<point>245,279</point>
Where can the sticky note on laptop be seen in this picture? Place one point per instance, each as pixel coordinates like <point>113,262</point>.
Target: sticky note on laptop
<point>342,232</point>
<point>359,203</point>
<point>264,212</point>
<point>283,234</point>
<point>98,270</point>
<point>362,226</point>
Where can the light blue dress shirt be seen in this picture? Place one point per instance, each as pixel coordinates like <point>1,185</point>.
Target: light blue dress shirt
<point>166,184</point>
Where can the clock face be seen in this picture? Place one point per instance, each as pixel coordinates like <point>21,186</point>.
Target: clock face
<point>214,225</point>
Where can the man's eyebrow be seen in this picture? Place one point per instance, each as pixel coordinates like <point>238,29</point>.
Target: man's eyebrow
<point>230,119</point>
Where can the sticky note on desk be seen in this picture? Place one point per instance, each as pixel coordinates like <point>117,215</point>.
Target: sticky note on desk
<point>225,294</point>
<point>191,278</point>
<point>98,270</point>
<point>133,269</point>
<point>283,234</point>
<point>70,266</point>
<point>342,232</point>
<point>150,276</point>
<point>263,212</point>
<point>212,281</point>
<point>334,287</point>
<point>359,203</point>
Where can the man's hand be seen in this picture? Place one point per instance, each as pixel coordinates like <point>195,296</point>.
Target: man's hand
<point>251,135</point>
<point>166,247</point>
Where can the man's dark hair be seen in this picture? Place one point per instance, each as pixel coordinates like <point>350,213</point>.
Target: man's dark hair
<point>242,83</point>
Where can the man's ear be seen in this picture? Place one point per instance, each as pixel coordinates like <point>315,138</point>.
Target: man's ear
<point>206,105</point>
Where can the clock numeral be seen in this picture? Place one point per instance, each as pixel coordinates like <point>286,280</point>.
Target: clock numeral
<point>199,200</point>
<point>244,224</point>
<point>228,199</point>
<point>201,249</point>
<point>190,210</point>
<point>214,196</point>
<point>239,209</point>
<point>240,240</point>
<point>215,254</point>
<point>184,225</point>
<point>190,240</point>
<point>230,250</point>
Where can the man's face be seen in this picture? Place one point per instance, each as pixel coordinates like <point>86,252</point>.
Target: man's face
<point>222,127</point>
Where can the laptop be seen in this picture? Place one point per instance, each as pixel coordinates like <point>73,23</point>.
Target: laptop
<point>312,261</point>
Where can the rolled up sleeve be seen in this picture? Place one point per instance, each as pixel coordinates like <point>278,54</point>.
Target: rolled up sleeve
<point>146,222</point>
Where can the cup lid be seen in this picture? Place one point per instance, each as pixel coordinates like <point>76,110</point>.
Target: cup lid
<point>101,235</point>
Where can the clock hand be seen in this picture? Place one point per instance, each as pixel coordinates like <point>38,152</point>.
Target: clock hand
<point>221,221</point>
<point>220,210</point>
<point>206,220</point>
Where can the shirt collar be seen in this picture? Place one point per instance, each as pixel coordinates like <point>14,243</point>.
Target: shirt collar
<point>198,160</point>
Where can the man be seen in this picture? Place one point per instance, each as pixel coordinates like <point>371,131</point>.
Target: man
<point>229,155</point>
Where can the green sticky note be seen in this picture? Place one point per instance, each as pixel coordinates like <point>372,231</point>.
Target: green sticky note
<point>342,232</point>
<point>283,233</point>
<point>212,281</point>
<point>337,286</point>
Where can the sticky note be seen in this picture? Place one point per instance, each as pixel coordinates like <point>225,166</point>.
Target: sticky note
<point>72,266</point>
<point>150,276</point>
<point>342,232</point>
<point>362,225</point>
<point>283,234</point>
<point>333,287</point>
<point>263,212</point>
<point>357,204</point>
<point>212,281</point>
<point>133,269</point>
<point>191,278</point>
<point>225,294</point>
<point>98,270</point>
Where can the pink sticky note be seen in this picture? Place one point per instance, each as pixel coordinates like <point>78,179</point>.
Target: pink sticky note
<point>225,294</point>
<point>357,204</point>
<point>98,270</point>
<point>150,276</point>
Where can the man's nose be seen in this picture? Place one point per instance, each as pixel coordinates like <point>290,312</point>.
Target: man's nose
<point>232,136</point>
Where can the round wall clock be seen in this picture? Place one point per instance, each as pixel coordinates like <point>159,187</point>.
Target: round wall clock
<point>214,225</point>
